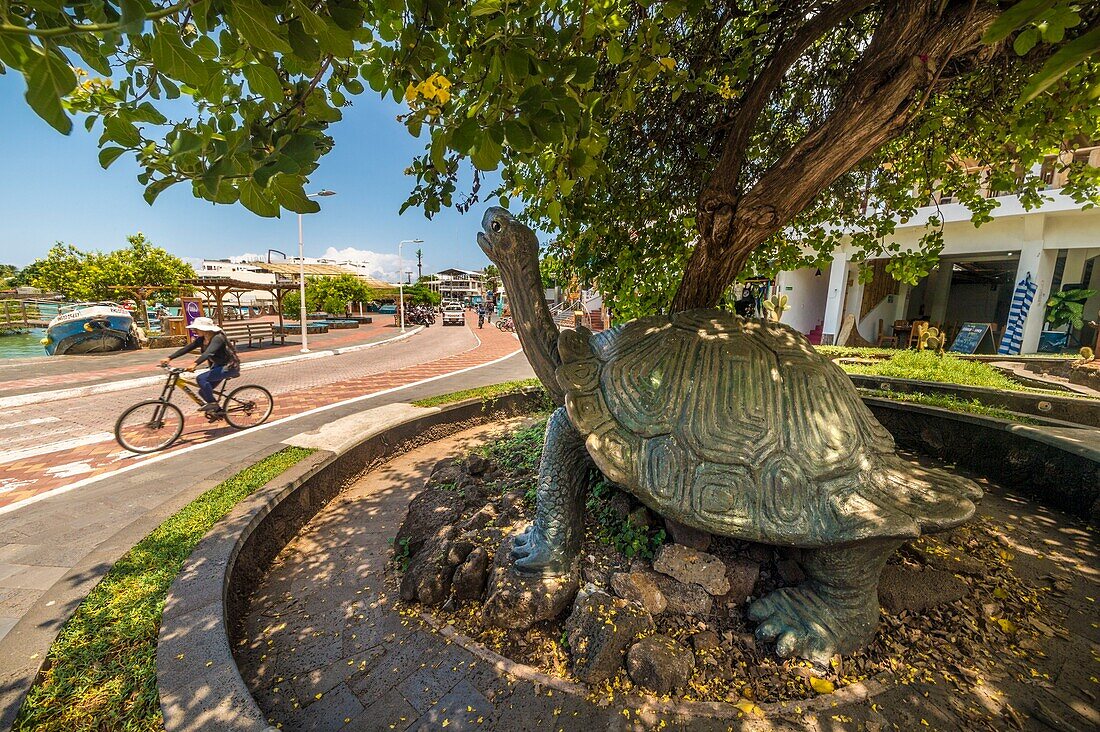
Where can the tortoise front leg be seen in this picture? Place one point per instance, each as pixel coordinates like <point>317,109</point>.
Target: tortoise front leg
<point>550,543</point>
<point>834,611</point>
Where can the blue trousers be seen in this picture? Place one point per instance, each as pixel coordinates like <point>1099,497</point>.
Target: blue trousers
<point>207,380</point>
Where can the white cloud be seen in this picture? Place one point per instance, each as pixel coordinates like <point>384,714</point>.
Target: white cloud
<point>383,265</point>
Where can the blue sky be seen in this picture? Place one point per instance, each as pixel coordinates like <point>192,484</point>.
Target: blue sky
<point>52,189</point>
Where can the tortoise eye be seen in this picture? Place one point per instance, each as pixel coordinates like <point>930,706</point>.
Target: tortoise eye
<point>495,226</point>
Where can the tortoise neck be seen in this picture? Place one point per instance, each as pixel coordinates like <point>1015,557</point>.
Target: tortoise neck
<point>538,334</point>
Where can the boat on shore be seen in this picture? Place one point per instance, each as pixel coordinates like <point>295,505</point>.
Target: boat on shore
<point>90,328</point>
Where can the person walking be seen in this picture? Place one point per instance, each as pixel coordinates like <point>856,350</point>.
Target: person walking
<point>218,351</point>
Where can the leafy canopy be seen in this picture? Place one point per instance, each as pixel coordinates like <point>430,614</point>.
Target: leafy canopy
<point>81,275</point>
<point>329,294</point>
<point>671,144</point>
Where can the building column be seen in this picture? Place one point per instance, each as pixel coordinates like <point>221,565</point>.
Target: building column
<point>838,280</point>
<point>938,292</point>
<point>1075,266</point>
<point>1039,262</point>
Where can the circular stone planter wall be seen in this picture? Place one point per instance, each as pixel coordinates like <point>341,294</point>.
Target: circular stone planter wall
<point>199,683</point>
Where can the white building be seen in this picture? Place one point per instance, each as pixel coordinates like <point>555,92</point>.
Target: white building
<point>457,284</point>
<point>243,271</point>
<point>1057,245</point>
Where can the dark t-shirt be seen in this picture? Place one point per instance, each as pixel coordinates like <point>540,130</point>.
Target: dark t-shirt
<point>217,353</point>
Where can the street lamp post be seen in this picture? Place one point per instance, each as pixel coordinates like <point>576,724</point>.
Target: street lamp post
<point>302,271</point>
<point>401,282</point>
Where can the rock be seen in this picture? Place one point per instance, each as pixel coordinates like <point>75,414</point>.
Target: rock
<point>639,587</point>
<point>477,465</point>
<point>681,598</point>
<point>481,518</point>
<point>790,571</point>
<point>519,601</point>
<point>469,579</point>
<point>688,536</point>
<point>907,589</point>
<point>742,575</point>
<point>512,505</point>
<point>458,550</point>
<point>427,579</point>
<point>599,630</point>
<point>446,472</point>
<point>428,512</point>
<point>705,641</point>
<point>761,552</point>
<point>619,503</point>
<point>660,664</point>
<point>692,567</point>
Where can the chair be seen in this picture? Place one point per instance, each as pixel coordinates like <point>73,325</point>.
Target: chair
<point>919,329</point>
<point>882,340</point>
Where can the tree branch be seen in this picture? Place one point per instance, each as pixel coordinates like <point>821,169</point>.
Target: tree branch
<point>18,30</point>
<point>874,107</point>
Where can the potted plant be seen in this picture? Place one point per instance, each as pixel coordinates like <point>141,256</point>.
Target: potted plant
<point>1067,308</point>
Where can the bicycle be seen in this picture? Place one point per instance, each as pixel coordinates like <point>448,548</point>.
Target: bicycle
<point>156,424</point>
<point>506,325</point>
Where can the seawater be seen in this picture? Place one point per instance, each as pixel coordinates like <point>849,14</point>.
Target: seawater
<point>23,345</point>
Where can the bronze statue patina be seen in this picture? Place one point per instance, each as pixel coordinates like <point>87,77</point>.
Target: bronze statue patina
<point>733,426</point>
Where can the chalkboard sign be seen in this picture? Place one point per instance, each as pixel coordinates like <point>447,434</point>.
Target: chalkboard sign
<point>971,336</point>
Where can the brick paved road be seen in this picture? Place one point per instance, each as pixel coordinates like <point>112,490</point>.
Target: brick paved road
<point>49,446</point>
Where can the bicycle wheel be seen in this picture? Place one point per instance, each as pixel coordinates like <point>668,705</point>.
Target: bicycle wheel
<point>247,406</point>
<point>149,426</point>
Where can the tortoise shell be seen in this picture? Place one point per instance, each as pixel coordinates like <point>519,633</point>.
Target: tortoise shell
<point>740,428</point>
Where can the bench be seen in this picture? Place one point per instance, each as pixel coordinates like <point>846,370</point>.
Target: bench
<point>241,332</point>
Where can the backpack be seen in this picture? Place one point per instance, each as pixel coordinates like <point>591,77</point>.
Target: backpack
<point>233,366</point>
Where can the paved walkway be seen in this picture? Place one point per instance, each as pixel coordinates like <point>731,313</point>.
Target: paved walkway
<point>326,650</point>
<point>31,375</point>
<point>56,545</point>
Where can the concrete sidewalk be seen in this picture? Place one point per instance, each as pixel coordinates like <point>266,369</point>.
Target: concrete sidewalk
<point>58,548</point>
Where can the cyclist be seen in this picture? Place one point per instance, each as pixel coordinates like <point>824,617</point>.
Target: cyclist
<point>216,348</point>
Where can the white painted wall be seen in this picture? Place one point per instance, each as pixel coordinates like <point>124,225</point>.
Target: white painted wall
<point>807,294</point>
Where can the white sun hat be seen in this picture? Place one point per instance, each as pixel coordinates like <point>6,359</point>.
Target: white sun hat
<point>206,324</point>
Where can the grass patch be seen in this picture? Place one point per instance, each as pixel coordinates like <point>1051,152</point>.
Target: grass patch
<point>482,392</point>
<point>945,369</point>
<point>953,403</point>
<point>101,671</point>
<point>855,351</point>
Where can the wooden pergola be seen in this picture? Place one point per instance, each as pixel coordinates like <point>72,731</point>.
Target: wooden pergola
<point>216,289</point>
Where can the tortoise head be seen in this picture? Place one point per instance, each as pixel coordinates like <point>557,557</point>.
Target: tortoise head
<point>506,241</point>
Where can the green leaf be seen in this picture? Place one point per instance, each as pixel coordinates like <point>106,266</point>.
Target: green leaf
<point>485,7</point>
<point>121,131</point>
<point>486,154</point>
<point>263,80</point>
<point>305,46</point>
<point>331,38</point>
<point>438,151</point>
<point>1075,52</point>
<point>133,15</point>
<point>1015,17</point>
<point>1025,41</point>
<point>586,70</point>
<point>157,187</point>
<point>49,78</point>
<point>205,48</point>
<point>518,135</point>
<point>291,195</point>
<point>615,51</point>
<point>257,25</point>
<point>109,155</point>
<point>177,60</point>
<point>257,200</point>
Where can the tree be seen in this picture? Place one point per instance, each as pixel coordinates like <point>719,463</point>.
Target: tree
<point>8,274</point>
<point>492,279</point>
<point>329,294</point>
<point>419,294</point>
<point>673,144</point>
<point>80,275</point>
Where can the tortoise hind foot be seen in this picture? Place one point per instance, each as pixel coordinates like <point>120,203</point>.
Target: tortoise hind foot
<point>540,556</point>
<point>834,611</point>
<point>803,623</point>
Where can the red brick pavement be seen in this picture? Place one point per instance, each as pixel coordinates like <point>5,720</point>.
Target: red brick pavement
<point>333,339</point>
<point>23,479</point>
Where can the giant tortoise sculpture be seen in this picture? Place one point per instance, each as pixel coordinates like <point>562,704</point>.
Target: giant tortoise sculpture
<point>734,426</point>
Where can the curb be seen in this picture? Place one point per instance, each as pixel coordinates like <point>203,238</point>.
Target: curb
<point>22,400</point>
